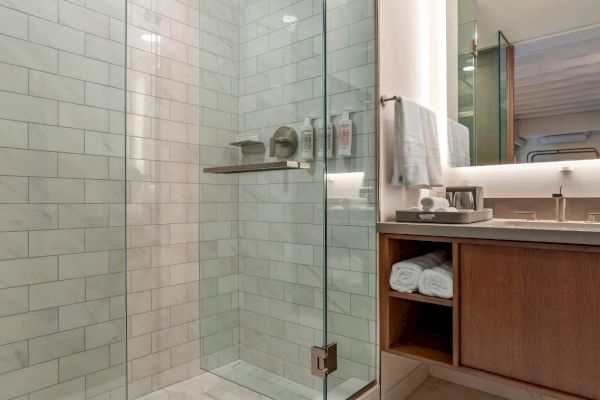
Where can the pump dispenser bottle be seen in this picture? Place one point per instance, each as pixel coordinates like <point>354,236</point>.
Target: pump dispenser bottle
<point>325,134</point>
<point>307,140</point>
<point>343,138</point>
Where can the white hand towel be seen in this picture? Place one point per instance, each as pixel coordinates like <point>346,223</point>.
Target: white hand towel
<point>432,203</point>
<point>417,161</point>
<point>459,145</point>
<point>437,281</point>
<point>405,274</point>
<point>432,148</point>
<point>415,209</point>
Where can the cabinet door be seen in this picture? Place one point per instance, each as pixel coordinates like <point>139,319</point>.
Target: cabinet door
<point>532,314</point>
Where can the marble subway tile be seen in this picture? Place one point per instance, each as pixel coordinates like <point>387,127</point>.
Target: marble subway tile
<point>14,301</point>
<point>26,380</point>
<point>83,363</point>
<point>28,271</point>
<point>28,325</point>
<point>56,345</point>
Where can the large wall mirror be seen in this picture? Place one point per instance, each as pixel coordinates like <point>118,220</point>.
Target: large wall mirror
<point>528,82</point>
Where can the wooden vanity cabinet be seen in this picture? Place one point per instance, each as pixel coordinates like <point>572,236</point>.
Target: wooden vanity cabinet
<point>532,314</point>
<point>523,313</point>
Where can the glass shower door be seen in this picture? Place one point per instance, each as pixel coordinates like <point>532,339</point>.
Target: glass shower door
<point>467,81</point>
<point>261,227</point>
<point>351,198</point>
<point>506,152</point>
<point>287,257</point>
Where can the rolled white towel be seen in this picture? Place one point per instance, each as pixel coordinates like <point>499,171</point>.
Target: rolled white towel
<point>415,209</point>
<point>433,203</point>
<point>447,209</point>
<point>405,274</point>
<point>437,281</point>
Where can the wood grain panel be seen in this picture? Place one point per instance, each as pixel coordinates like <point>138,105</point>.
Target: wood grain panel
<point>532,314</point>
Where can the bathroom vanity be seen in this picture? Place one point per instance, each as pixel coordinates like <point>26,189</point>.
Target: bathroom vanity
<point>526,306</point>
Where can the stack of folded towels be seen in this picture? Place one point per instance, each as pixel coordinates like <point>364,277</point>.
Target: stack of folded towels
<point>436,204</point>
<point>430,274</point>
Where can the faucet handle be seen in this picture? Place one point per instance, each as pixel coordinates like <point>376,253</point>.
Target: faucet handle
<point>594,217</point>
<point>529,215</point>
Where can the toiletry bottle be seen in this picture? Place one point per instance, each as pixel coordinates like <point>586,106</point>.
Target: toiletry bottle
<point>323,135</point>
<point>307,151</point>
<point>343,138</point>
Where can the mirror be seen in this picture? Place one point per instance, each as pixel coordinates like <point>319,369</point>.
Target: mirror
<point>528,75</point>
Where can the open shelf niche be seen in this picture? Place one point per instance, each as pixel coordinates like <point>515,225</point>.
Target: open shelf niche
<point>413,325</point>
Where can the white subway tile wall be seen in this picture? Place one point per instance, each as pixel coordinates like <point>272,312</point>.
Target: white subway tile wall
<point>219,268</point>
<point>276,47</point>
<point>62,246</point>
<point>163,191</point>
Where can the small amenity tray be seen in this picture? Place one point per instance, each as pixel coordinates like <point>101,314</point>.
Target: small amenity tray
<point>431,217</point>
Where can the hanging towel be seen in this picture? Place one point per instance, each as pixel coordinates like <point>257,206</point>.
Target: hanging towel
<point>417,162</point>
<point>405,274</point>
<point>459,146</point>
<point>437,281</point>
<point>432,203</point>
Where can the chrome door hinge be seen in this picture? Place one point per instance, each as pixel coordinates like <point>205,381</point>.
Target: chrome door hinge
<point>324,360</point>
<point>473,48</point>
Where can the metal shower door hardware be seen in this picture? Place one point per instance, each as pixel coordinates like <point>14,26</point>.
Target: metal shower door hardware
<point>324,360</point>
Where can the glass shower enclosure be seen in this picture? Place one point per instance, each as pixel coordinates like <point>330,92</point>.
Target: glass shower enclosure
<point>164,226</point>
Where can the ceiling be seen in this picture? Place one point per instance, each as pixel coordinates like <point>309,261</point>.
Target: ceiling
<point>559,75</point>
<point>522,20</point>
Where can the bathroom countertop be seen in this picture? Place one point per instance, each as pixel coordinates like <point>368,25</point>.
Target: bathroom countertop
<point>498,229</point>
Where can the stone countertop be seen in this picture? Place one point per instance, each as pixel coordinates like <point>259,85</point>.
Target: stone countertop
<point>498,229</point>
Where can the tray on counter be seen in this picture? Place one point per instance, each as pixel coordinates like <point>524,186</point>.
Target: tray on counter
<point>432,217</point>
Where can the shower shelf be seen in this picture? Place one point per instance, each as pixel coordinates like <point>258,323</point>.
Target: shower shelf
<point>269,166</point>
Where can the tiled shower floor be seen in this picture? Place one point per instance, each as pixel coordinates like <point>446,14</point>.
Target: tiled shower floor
<point>231,382</point>
<point>209,386</point>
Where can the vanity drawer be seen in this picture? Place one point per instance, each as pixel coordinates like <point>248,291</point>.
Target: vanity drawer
<point>532,314</point>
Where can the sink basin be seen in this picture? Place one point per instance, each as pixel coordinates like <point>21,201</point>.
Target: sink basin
<point>542,224</point>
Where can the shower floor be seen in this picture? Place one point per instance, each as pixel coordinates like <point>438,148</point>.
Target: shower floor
<point>227,385</point>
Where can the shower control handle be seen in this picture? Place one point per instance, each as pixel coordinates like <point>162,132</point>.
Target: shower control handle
<point>284,143</point>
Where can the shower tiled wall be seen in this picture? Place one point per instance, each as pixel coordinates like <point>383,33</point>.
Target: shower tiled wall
<point>219,71</point>
<point>163,193</point>
<point>62,193</point>
<point>281,213</point>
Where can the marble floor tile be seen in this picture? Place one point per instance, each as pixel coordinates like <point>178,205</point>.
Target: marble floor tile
<point>235,381</point>
<point>436,389</point>
<point>240,380</point>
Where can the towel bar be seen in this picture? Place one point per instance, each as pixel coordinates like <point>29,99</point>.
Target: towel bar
<point>385,99</point>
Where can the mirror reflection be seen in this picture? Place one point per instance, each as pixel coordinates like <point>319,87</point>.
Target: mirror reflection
<point>528,82</point>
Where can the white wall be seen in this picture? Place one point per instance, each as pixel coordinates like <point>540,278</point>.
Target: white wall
<point>412,64</point>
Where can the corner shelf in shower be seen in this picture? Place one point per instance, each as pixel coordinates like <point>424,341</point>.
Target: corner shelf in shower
<point>250,146</point>
<point>262,167</point>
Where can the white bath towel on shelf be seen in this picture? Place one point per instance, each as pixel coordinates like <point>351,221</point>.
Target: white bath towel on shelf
<point>432,203</point>
<point>459,146</point>
<point>417,162</point>
<point>405,274</point>
<point>437,281</point>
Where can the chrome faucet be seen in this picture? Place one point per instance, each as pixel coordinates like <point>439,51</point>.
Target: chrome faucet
<point>561,206</point>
